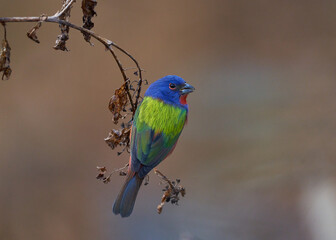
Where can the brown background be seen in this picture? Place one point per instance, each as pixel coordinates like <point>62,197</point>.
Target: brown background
<point>258,154</point>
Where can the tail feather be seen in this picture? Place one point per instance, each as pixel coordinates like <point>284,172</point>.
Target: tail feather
<point>125,201</point>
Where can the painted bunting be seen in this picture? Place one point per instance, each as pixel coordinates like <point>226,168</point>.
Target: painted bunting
<point>157,125</point>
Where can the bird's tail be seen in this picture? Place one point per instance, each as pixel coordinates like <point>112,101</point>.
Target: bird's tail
<point>125,201</point>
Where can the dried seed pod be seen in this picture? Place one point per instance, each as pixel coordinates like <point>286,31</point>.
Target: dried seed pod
<point>118,138</point>
<point>5,57</point>
<point>171,191</point>
<point>64,36</point>
<point>88,13</point>
<point>101,174</point>
<point>118,103</point>
<point>32,32</point>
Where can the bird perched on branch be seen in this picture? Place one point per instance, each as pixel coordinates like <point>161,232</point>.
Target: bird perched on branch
<point>157,125</point>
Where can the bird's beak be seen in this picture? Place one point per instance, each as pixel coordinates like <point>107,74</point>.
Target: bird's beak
<point>186,88</point>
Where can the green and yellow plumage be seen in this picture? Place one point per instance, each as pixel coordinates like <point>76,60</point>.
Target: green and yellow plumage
<point>161,117</point>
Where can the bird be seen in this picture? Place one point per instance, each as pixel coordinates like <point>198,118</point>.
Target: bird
<point>156,127</point>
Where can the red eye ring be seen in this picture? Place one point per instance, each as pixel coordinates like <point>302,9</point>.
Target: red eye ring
<point>172,86</point>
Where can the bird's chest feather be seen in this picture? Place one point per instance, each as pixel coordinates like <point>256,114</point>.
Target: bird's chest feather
<point>161,117</point>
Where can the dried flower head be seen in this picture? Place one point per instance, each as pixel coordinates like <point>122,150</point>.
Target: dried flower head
<point>5,57</point>
<point>101,174</point>
<point>171,191</point>
<point>64,36</point>
<point>106,179</point>
<point>32,32</point>
<point>118,103</point>
<point>88,13</point>
<point>119,138</point>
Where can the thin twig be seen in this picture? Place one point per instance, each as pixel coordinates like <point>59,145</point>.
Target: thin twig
<point>5,30</point>
<point>121,169</point>
<point>160,174</point>
<point>65,7</point>
<point>103,170</point>
<point>140,77</point>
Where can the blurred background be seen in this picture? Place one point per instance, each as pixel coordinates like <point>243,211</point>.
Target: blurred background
<point>257,157</point>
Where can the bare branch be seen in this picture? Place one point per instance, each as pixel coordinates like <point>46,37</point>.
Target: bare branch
<point>107,43</point>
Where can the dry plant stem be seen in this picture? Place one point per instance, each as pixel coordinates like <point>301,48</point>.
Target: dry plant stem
<point>160,174</point>
<point>5,30</point>
<point>107,43</point>
<point>67,4</point>
<point>107,179</point>
<point>120,169</point>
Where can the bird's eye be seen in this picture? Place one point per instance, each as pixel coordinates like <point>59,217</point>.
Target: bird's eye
<point>172,86</point>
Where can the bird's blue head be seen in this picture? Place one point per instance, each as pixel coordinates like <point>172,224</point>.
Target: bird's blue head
<point>170,89</point>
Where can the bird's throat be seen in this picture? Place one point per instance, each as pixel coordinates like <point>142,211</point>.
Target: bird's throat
<point>183,99</point>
